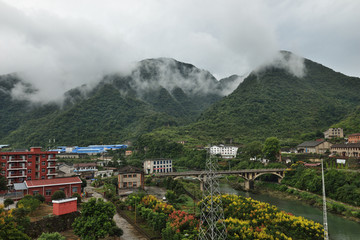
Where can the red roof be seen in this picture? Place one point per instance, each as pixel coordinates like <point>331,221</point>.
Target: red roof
<point>52,182</point>
<point>354,134</point>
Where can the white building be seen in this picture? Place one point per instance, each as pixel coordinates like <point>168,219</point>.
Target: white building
<point>157,166</point>
<point>224,151</point>
<point>334,133</point>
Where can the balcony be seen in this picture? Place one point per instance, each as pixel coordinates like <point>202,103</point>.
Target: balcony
<point>51,159</point>
<point>16,175</point>
<point>17,159</point>
<point>51,174</point>
<point>51,166</point>
<point>20,167</point>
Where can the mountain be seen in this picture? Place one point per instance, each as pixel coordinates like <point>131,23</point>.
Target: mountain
<point>275,102</point>
<point>351,123</point>
<point>156,93</point>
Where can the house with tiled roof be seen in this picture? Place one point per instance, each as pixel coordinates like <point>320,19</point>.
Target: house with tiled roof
<point>47,187</point>
<point>130,177</point>
<point>346,150</point>
<point>314,147</point>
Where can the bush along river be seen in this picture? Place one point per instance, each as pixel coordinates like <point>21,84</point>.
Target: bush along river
<point>339,228</point>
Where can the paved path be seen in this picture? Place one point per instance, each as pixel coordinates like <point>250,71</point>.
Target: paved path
<point>130,233</point>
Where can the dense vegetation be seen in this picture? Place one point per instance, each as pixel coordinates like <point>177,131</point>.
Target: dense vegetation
<point>165,99</point>
<point>117,109</point>
<point>340,185</point>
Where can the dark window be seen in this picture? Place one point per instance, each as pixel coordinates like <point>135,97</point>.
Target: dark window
<point>134,175</point>
<point>75,189</point>
<point>43,170</point>
<point>48,192</point>
<point>28,178</point>
<point>30,156</point>
<point>134,184</point>
<point>35,193</point>
<point>42,177</point>
<point>43,163</point>
<point>29,170</point>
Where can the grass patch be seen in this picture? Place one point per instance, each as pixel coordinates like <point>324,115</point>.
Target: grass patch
<point>42,211</point>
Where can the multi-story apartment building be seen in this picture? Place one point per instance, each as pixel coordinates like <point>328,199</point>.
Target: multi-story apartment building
<point>334,133</point>
<point>130,177</point>
<point>158,166</point>
<point>19,166</point>
<point>224,151</point>
<point>354,138</point>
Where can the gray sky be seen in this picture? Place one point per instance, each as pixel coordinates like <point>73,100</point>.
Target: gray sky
<point>61,44</point>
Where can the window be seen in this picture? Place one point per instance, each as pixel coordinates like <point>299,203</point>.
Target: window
<point>35,193</point>
<point>30,156</point>
<point>134,184</point>
<point>129,176</point>
<point>124,184</point>
<point>44,156</point>
<point>134,175</point>
<point>74,189</point>
<point>125,176</point>
<point>154,162</point>
<point>43,163</point>
<point>3,157</point>
<point>29,170</point>
<point>48,192</point>
<point>29,163</point>
<point>28,178</point>
<point>3,172</point>
<point>42,177</point>
<point>43,170</point>
<point>62,189</point>
<point>3,164</point>
<point>130,184</point>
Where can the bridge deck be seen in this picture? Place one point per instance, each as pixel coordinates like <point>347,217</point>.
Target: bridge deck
<point>226,172</point>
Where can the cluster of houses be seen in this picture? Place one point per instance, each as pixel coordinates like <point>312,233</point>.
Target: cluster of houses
<point>320,146</point>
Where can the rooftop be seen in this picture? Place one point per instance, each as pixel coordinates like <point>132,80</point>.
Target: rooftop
<point>54,181</point>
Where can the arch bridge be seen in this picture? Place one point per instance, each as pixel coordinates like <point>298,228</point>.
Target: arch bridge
<point>248,174</point>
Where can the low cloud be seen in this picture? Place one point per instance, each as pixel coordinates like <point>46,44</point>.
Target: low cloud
<point>290,62</point>
<point>56,46</point>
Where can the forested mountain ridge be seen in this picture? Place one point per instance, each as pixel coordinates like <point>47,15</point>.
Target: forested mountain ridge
<point>274,102</point>
<point>157,92</point>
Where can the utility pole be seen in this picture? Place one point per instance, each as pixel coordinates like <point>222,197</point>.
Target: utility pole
<point>326,233</point>
<point>212,225</point>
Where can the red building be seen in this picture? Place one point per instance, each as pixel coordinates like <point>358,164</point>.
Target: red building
<point>64,206</point>
<point>47,187</point>
<point>24,165</point>
<point>354,138</point>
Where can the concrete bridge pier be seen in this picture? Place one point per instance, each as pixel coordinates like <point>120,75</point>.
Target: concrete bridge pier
<point>202,183</point>
<point>249,185</point>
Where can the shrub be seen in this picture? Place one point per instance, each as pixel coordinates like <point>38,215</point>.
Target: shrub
<point>51,236</point>
<point>78,197</point>
<point>58,195</point>
<point>8,202</point>
<point>29,202</point>
<point>40,197</point>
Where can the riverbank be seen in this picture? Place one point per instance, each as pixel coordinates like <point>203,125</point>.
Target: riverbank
<point>282,191</point>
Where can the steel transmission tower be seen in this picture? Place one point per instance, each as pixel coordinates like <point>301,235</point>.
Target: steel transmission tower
<point>212,226</point>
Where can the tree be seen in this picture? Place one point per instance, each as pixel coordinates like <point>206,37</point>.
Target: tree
<point>58,195</point>
<point>3,183</point>
<point>96,220</point>
<point>271,148</point>
<point>254,149</point>
<point>8,202</point>
<point>83,184</point>
<point>40,197</point>
<point>9,228</point>
<point>30,203</point>
<point>51,236</point>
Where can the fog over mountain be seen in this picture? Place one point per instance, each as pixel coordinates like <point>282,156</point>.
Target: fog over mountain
<point>57,46</point>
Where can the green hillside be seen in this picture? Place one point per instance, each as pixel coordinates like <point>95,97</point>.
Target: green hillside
<point>155,94</point>
<point>274,102</point>
<point>350,124</point>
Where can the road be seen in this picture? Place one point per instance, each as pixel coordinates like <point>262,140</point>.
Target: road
<point>130,233</point>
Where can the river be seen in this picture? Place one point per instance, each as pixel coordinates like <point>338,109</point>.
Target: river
<point>339,228</point>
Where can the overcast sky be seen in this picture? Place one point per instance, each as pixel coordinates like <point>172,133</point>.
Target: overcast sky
<point>61,44</point>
